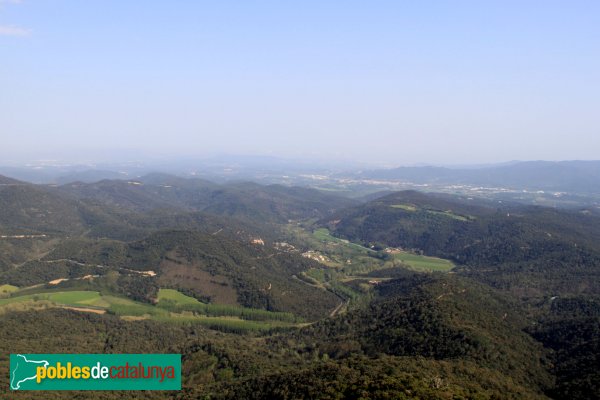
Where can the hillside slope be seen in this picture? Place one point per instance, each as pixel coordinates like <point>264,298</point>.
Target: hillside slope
<point>524,249</point>
<point>250,201</point>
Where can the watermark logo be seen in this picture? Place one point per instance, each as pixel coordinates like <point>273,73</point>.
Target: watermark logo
<point>95,372</point>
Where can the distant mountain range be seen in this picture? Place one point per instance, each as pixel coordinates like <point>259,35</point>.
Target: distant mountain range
<point>562,176</point>
<point>574,177</point>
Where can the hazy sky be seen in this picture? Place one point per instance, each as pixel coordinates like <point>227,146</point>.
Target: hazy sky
<point>381,81</point>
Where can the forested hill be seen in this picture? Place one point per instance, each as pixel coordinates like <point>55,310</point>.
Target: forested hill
<point>548,260</point>
<point>246,200</point>
<point>26,208</point>
<point>131,209</point>
<point>49,233</point>
<point>4,180</point>
<point>533,251</point>
<point>441,319</point>
<point>221,268</point>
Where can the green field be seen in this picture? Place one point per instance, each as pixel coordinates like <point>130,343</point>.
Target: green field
<point>405,207</point>
<point>175,296</point>
<point>6,290</point>
<point>323,235</point>
<point>450,214</point>
<point>317,274</point>
<point>414,261</point>
<point>424,263</point>
<point>70,298</point>
<point>173,307</point>
<point>447,213</point>
<point>85,299</point>
<point>79,298</point>
<point>20,299</point>
<point>177,302</point>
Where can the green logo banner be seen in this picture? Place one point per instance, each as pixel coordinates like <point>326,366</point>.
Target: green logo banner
<point>95,371</point>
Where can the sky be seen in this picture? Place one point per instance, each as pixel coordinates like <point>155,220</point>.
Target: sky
<point>383,82</point>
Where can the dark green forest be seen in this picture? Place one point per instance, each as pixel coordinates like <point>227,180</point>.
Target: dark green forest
<point>275,292</point>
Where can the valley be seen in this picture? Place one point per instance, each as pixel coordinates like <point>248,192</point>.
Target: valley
<point>276,292</point>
